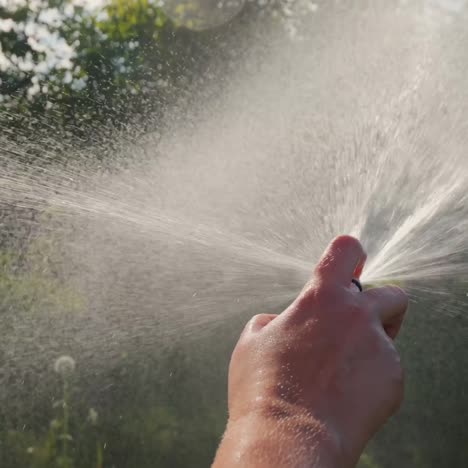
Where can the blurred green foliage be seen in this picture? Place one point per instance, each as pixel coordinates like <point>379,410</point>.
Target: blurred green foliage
<point>122,62</point>
<point>33,289</point>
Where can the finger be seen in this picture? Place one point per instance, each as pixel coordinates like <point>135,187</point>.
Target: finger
<point>258,322</point>
<point>343,259</point>
<point>390,304</point>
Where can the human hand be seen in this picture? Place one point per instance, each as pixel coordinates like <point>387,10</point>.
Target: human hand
<point>311,386</point>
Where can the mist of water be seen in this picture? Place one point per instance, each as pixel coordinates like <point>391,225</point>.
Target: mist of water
<point>357,125</point>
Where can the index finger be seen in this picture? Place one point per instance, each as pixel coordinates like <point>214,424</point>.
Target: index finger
<point>342,261</point>
<point>390,304</point>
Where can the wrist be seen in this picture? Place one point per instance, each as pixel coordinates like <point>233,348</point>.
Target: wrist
<point>279,435</point>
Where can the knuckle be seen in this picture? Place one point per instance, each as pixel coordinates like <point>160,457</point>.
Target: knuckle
<point>255,322</point>
<point>258,318</point>
<point>248,328</point>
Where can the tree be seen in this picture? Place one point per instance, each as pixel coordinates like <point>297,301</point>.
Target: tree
<point>82,68</point>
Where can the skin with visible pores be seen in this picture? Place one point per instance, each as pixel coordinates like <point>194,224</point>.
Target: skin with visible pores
<point>309,387</point>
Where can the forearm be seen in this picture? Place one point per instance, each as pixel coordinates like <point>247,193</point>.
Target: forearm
<point>270,442</point>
